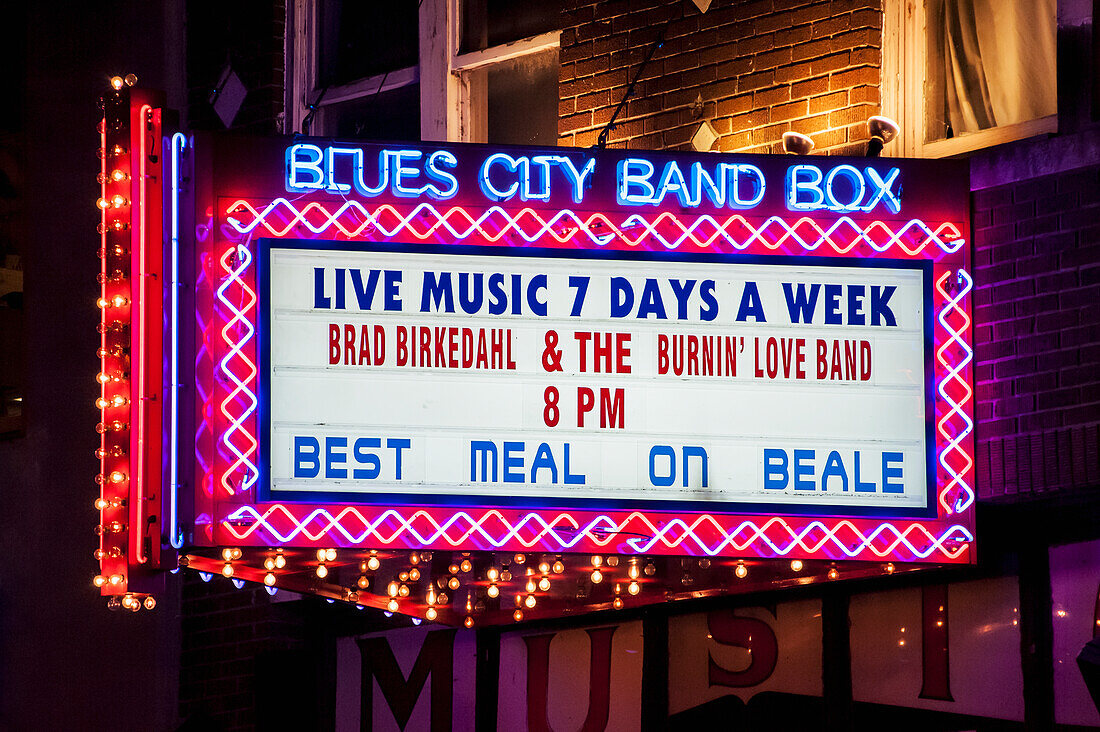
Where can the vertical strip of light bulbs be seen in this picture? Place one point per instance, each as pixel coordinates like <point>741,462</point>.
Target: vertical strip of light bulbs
<point>114,350</point>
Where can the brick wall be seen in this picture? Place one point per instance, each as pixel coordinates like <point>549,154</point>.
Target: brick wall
<point>760,67</point>
<point>1037,317</point>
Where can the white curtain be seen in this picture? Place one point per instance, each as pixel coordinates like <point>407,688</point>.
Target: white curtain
<point>1000,60</point>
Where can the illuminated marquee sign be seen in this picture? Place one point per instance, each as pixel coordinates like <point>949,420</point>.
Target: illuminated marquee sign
<point>507,349</point>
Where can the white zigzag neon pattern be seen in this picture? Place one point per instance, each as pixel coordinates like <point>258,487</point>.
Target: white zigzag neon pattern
<point>953,376</point>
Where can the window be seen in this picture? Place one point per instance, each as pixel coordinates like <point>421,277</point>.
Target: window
<point>458,70</point>
<point>959,75</point>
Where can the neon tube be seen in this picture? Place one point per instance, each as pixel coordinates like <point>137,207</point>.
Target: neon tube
<point>175,536</point>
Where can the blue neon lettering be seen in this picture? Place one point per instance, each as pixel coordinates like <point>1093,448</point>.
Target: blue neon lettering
<point>672,181</point>
<point>702,184</point>
<point>310,167</point>
<point>330,167</point>
<point>858,188</point>
<point>884,190</point>
<point>491,191</point>
<point>434,170</point>
<point>804,179</point>
<point>580,179</point>
<point>634,174</point>
<point>756,178</point>
<point>403,174</point>
<point>541,164</point>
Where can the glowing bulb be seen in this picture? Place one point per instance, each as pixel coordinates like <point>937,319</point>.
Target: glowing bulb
<point>633,588</point>
<point>403,590</point>
<point>530,586</point>
<point>650,569</point>
<point>517,615</point>
<point>597,560</point>
<point>116,82</point>
<point>102,378</point>
<point>544,584</point>
<point>889,568</point>
<point>597,576</point>
<point>130,79</point>
<point>118,301</point>
<point>102,302</point>
<point>403,577</point>
<point>373,563</point>
<point>493,591</point>
<point>330,555</point>
<point>115,579</point>
<point>492,574</point>
<point>544,567</point>
<point>118,200</point>
<point>103,203</point>
<point>632,571</point>
<point>391,589</point>
<point>453,583</point>
<point>442,599</point>
<point>431,613</point>
<point>117,175</point>
<point>559,566</point>
<point>227,570</point>
<point>269,579</point>
<point>280,561</point>
<point>617,603</point>
<point>101,503</point>
<point>466,565</point>
<point>320,555</point>
<point>227,554</point>
<point>99,580</point>
<point>468,622</point>
<point>741,570</point>
<point>796,565</point>
<point>833,573</point>
<point>363,582</point>
<point>322,571</point>
<point>519,558</point>
<point>529,601</point>
<point>117,476</point>
<point>150,602</point>
<point>392,606</point>
<point>119,401</point>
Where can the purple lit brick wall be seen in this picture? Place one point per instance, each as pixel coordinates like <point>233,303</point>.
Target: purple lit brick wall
<point>1037,313</point>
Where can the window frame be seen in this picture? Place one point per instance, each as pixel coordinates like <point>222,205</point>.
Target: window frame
<point>453,88</point>
<point>904,72</point>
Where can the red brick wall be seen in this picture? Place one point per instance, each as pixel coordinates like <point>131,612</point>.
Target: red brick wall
<point>1037,317</point>
<point>761,68</point>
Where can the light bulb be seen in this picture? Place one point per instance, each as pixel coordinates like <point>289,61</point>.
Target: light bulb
<point>103,203</point>
<point>118,200</point>
<point>617,603</point>
<point>321,555</point>
<point>116,82</point>
<point>517,615</point>
<point>544,584</point>
<point>391,589</point>
<point>453,583</point>
<point>633,588</point>
<point>269,579</point>
<point>468,622</point>
<point>392,606</point>
<point>322,571</point>
<point>530,586</point>
<point>403,590</point>
<point>227,570</point>
<point>597,576</point>
<point>330,555</point>
<point>430,613</point>
<point>529,601</point>
<point>544,567</point>
<point>363,582</point>
<point>796,565</point>
<point>150,602</point>
<point>519,558</point>
<point>101,504</point>
<point>741,570</point>
<point>632,571</point>
<point>99,580</point>
<point>559,566</point>
<point>373,563</point>
<point>280,561</point>
<point>493,591</point>
<point>130,79</point>
<point>102,302</point>
<point>833,573</point>
<point>269,564</point>
<point>597,560</point>
<point>466,565</point>
<point>115,579</point>
<point>227,554</point>
<point>650,569</point>
<point>402,576</point>
<point>492,574</point>
<point>102,378</point>
<point>117,476</point>
<point>889,568</point>
<point>118,301</point>
<point>117,175</point>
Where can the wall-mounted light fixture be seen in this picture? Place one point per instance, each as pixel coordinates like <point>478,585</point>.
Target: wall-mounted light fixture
<point>795,143</point>
<point>883,129</point>
<point>704,137</point>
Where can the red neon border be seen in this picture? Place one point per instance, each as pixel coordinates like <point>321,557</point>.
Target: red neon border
<point>227,359</point>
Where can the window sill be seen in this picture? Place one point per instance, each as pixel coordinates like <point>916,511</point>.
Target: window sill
<point>988,138</point>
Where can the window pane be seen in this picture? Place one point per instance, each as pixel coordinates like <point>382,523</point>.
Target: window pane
<point>991,63</point>
<point>390,115</point>
<point>358,39</point>
<point>523,100</point>
<point>493,22</point>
